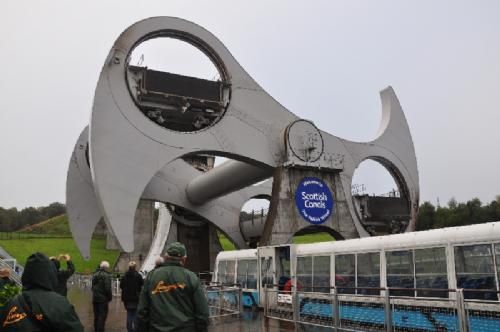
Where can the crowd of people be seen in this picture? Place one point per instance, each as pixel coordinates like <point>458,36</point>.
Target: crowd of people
<point>170,298</point>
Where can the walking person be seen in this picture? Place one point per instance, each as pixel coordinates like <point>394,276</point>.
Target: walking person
<point>63,275</point>
<point>131,284</point>
<point>101,295</point>
<point>39,307</point>
<point>172,298</point>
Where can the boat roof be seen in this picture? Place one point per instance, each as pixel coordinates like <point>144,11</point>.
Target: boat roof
<point>487,232</point>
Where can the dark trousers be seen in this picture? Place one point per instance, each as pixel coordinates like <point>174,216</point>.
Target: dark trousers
<point>100,314</point>
<point>131,313</point>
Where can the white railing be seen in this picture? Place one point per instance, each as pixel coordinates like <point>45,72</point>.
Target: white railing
<point>224,301</point>
<point>84,281</point>
<point>13,274</point>
<point>383,312</point>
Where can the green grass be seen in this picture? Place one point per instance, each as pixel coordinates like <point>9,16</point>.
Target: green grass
<point>299,239</point>
<point>225,243</point>
<point>22,249</point>
<point>312,238</point>
<point>58,225</point>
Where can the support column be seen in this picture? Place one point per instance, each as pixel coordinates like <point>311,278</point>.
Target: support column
<point>143,236</point>
<point>215,246</point>
<point>196,240</point>
<point>285,218</point>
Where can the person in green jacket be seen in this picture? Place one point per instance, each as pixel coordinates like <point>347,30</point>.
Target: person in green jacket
<point>101,295</point>
<point>39,307</point>
<point>172,298</point>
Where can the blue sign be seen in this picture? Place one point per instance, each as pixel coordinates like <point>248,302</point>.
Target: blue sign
<point>314,200</point>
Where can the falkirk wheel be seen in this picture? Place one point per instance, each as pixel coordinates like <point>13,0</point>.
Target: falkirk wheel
<point>150,129</point>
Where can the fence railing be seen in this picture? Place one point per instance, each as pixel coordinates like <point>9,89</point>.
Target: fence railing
<point>255,215</point>
<point>25,236</point>
<point>382,312</point>
<point>13,274</point>
<point>83,281</point>
<point>224,301</point>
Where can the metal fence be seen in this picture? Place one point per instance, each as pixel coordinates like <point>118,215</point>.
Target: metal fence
<point>382,312</point>
<point>83,281</point>
<point>224,301</point>
<point>26,236</point>
<point>8,264</point>
<point>115,287</point>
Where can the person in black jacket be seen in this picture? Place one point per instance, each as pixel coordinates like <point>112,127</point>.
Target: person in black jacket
<point>101,295</point>
<point>39,307</point>
<point>131,284</point>
<point>63,275</point>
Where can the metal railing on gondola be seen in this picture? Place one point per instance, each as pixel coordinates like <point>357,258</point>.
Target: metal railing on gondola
<point>378,309</point>
<point>225,300</point>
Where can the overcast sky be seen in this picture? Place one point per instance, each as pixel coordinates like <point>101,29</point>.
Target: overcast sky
<point>324,60</point>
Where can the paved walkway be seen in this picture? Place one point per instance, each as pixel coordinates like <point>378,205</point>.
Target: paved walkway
<point>249,321</point>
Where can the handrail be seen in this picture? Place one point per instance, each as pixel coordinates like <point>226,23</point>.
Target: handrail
<point>13,275</point>
<point>451,290</point>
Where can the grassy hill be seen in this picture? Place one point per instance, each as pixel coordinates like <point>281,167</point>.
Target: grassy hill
<point>53,237</point>
<point>58,226</point>
<point>22,249</point>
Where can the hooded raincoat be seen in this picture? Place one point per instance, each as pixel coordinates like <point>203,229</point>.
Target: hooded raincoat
<point>39,307</point>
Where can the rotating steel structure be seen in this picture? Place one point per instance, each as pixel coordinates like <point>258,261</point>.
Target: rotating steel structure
<point>124,155</point>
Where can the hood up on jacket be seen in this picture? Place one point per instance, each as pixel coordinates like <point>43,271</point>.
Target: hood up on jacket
<point>39,272</point>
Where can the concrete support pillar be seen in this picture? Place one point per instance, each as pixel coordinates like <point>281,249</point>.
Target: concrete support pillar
<point>112,241</point>
<point>196,240</point>
<point>284,217</point>
<point>214,244</point>
<point>202,244</point>
<point>143,236</point>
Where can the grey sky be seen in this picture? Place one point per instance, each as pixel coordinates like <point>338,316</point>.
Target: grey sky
<point>324,60</point>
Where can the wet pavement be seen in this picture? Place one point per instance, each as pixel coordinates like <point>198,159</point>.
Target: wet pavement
<point>249,321</point>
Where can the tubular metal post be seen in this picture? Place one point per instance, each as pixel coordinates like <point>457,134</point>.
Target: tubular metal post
<point>240,291</point>
<point>266,302</point>
<point>221,298</point>
<point>388,311</point>
<point>461,313</point>
<point>295,305</point>
<point>336,310</point>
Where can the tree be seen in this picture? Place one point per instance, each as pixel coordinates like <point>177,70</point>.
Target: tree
<point>426,216</point>
<point>452,203</point>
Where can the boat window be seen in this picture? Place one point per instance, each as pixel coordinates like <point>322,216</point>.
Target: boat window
<point>221,271</point>
<point>321,274</point>
<point>475,270</point>
<point>431,272</point>
<point>497,258</point>
<point>400,272</point>
<point>230,269</point>
<point>252,274</point>
<point>266,266</point>
<point>241,277</point>
<point>304,274</point>
<point>368,273</point>
<point>345,274</point>
<point>283,266</point>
